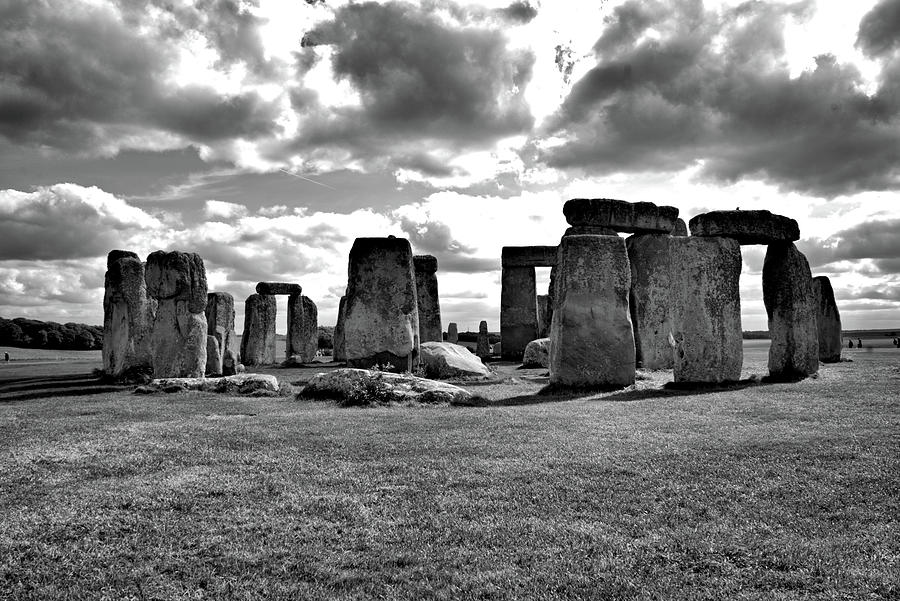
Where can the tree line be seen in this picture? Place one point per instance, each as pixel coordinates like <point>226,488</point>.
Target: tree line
<point>31,333</point>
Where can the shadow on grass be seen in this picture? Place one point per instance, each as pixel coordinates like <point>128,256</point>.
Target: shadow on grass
<point>24,389</point>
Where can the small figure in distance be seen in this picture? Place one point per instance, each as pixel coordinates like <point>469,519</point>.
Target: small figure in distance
<point>850,344</point>
<point>6,357</point>
<point>859,343</point>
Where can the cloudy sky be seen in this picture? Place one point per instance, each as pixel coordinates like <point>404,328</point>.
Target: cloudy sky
<point>267,134</point>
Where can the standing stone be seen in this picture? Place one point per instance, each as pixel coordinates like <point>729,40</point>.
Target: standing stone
<point>338,353</point>
<point>483,346</point>
<point>591,338</point>
<point>220,323</point>
<point>518,310</point>
<point>452,333</point>
<point>381,326</point>
<point>828,321</point>
<point>177,280</point>
<point>213,356</point>
<point>544,315</point>
<point>258,341</point>
<point>706,309</point>
<point>680,228</point>
<point>127,315</point>
<point>427,296</point>
<point>303,329</point>
<point>651,286</point>
<point>792,309</point>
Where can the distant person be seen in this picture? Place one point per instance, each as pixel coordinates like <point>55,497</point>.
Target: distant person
<point>6,357</point>
<point>859,342</point>
<point>850,343</point>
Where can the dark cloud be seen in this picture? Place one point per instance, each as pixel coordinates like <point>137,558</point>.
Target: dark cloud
<point>879,29</point>
<point>80,78</point>
<point>876,240</point>
<point>714,87</point>
<point>518,12</point>
<point>432,237</point>
<point>420,80</point>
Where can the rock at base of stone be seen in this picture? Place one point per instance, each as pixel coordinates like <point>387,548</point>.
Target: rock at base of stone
<point>706,309</point>
<point>366,387</point>
<point>537,353</point>
<point>483,343</point>
<point>620,215</point>
<point>447,360</point>
<point>828,321</point>
<point>236,384</point>
<point>213,357</point>
<point>650,299</point>
<point>747,227</point>
<point>791,308</point>
<point>303,329</point>
<point>258,341</point>
<point>592,342</point>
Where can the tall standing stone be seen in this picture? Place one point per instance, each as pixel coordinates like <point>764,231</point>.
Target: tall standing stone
<point>791,308</point>
<point>592,342</point>
<point>545,315</point>
<point>452,333</point>
<point>303,329</point>
<point>127,315</point>
<point>213,356</point>
<point>220,323</point>
<point>651,287</point>
<point>519,323</point>
<point>828,321</point>
<point>483,345</point>
<point>258,341</point>
<point>381,326</point>
<point>427,295</point>
<point>338,353</point>
<point>706,309</point>
<point>177,280</point>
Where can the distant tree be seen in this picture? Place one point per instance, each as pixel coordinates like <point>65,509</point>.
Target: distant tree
<point>10,333</point>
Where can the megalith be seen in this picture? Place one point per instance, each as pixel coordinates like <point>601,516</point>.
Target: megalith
<point>828,321</point>
<point>791,308</point>
<point>680,228</point>
<point>747,227</point>
<point>591,338</point>
<point>213,356</point>
<point>278,288</point>
<point>303,329</point>
<point>429,304</point>
<point>258,341</point>
<point>483,344</point>
<point>452,333</point>
<point>127,316</point>
<point>177,280</point>
<point>337,352</point>
<point>519,323</point>
<point>220,323</point>
<point>381,324</point>
<point>545,315</point>
<point>706,309</point>
<point>650,299</point>
<point>619,216</point>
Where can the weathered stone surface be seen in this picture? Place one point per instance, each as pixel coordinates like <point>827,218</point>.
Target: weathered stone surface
<point>791,308</point>
<point>258,341</point>
<point>338,353</point>
<point>518,310</point>
<point>278,288</point>
<point>528,256</point>
<point>177,280</point>
<point>303,329</point>
<point>220,323</point>
<point>497,349</point>
<point>483,344</point>
<point>429,303</point>
<point>544,315</point>
<point>127,316</point>
<point>213,357</point>
<point>621,216</point>
<point>706,309</point>
<point>589,230</point>
<point>381,326</point>
<point>363,386</point>
<point>236,384</point>
<point>828,321</point>
<point>651,285</point>
<point>537,353</point>
<point>680,228</point>
<point>448,360</point>
<point>592,342</point>
<point>452,333</point>
<point>747,227</point>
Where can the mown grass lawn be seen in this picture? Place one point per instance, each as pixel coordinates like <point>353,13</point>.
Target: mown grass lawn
<point>787,491</point>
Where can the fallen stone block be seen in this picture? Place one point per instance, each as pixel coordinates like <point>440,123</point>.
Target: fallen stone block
<point>351,386</point>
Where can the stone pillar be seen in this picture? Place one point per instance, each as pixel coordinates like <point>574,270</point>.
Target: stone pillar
<point>213,356</point>
<point>452,333</point>
<point>220,323</point>
<point>706,309</point>
<point>428,302</point>
<point>177,280</point>
<point>518,311</point>
<point>791,308</point>
<point>337,352</point>
<point>258,341</point>
<point>591,338</point>
<point>381,325</point>
<point>650,300</point>
<point>127,315</point>
<point>303,329</point>
<point>545,315</point>
<point>483,346</point>
<point>828,321</point>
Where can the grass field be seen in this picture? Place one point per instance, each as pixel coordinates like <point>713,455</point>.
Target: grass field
<point>783,491</point>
